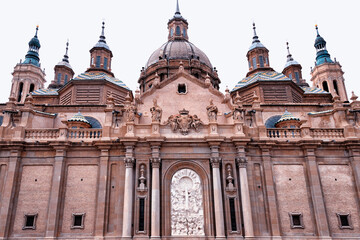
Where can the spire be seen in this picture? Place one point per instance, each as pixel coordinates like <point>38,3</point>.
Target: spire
<point>289,56</point>
<point>177,12</point>
<point>256,42</point>
<point>322,55</point>
<point>32,56</point>
<point>255,37</point>
<point>102,43</point>
<point>102,37</point>
<point>66,57</point>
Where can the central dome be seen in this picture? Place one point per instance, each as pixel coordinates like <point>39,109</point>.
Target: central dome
<point>178,49</point>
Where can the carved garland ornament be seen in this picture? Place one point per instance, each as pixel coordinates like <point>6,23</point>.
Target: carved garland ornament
<point>187,214</point>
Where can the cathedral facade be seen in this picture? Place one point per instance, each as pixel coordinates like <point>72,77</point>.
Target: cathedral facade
<point>88,158</point>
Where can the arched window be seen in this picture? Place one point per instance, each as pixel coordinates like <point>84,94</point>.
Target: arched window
<point>32,87</point>
<point>325,86</point>
<point>21,86</point>
<point>297,77</point>
<point>261,61</point>
<point>184,32</point>
<point>171,32</point>
<point>178,32</point>
<point>58,78</point>
<point>254,63</point>
<point>336,87</point>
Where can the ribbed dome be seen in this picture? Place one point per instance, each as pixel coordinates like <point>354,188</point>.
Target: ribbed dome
<point>178,49</point>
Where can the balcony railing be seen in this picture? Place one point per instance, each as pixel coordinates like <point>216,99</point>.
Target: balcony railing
<point>43,133</point>
<point>327,133</point>
<point>84,133</point>
<point>283,132</point>
<point>71,134</point>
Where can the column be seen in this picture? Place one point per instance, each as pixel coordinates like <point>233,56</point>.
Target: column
<point>244,191</point>
<point>215,161</point>
<point>322,226</point>
<point>56,189</point>
<point>155,192</point>
<point>101,199</point>
<point>270,191</point>
<point>128,192</point>
<point>9,191</point>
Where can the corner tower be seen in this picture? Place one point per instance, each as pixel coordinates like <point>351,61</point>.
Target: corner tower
<point>165,61</point>
<point>63,71</point>
<point>292,69</point>
<point>327,74</point>
<point>258,56</point>
<point>101,56</point>
<point>27,75</point>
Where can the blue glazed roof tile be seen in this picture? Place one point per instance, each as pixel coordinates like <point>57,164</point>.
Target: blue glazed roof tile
<point>260,76</point>
<point>101,76</point>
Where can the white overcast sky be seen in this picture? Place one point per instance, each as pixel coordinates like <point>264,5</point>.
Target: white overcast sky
<point>221,29</point>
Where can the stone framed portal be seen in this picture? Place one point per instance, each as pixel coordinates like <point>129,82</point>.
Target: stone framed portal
<point>187,209</point>
<point>172,170</point>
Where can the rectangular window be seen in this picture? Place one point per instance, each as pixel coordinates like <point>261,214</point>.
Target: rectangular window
<point>261,61</point>
<point>97,61</point>
<point>296,220</point>
<point>141,214</point>
<point>254,63</point>
<point>290,76</point>
<point>297,77</point>
<point>66,79</point>
<point>344,221</point>
<point>30,221</point>
<point>232,214</point>
<point>105,63</point>
<point>58,78</point>
<point>249,64</point>
<point>78,220</point>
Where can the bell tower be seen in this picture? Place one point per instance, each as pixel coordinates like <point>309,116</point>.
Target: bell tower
<point>27,75</point>
<point>292,69</point>
<point>327,74</point>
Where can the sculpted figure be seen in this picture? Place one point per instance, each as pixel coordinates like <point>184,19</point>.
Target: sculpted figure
<point>196,122</point>
<point>212,111</point>
<point>156,112</point>
<point>131,112</point>
<point>172,121</point>
<point>238,113</point>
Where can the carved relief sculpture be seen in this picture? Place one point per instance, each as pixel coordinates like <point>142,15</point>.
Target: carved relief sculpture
<point>131,112</point>
<point>187,215</point>
<point>183,121</point>
<point>238,113</point>
<point>212,111</point>
<point>156,112</point>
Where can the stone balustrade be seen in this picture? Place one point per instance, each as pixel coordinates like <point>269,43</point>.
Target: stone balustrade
<point>327,133</point>
<point>283,132</point>
<point>43,133</point>
<point>84,133</point>
<point>54,134</point>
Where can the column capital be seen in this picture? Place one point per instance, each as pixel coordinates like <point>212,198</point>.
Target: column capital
<point>215,162</point>
<point>241,162</point>
<point>155,162</point>
<point>129,162</point>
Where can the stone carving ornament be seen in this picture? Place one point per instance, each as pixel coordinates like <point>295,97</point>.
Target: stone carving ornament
<point>212,111</point>
<point>156,112</point>
<point>184,122</point>
<point>131,111</point>
<point>187,214</point>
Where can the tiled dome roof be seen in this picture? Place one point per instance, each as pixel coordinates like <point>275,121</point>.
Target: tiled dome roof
<point>178,49</point>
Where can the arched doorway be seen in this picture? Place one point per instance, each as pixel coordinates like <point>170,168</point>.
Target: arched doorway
<point>187,209</point>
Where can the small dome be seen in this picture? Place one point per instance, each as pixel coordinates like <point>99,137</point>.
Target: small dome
<point>292,62</point>
<point>63,63</point>
<point>286,117</point>
<point>34,42</point>
<point>178,49</point>
<point>79,118</point>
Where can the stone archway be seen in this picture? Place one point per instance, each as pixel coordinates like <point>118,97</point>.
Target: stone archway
<point>187,209</point>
